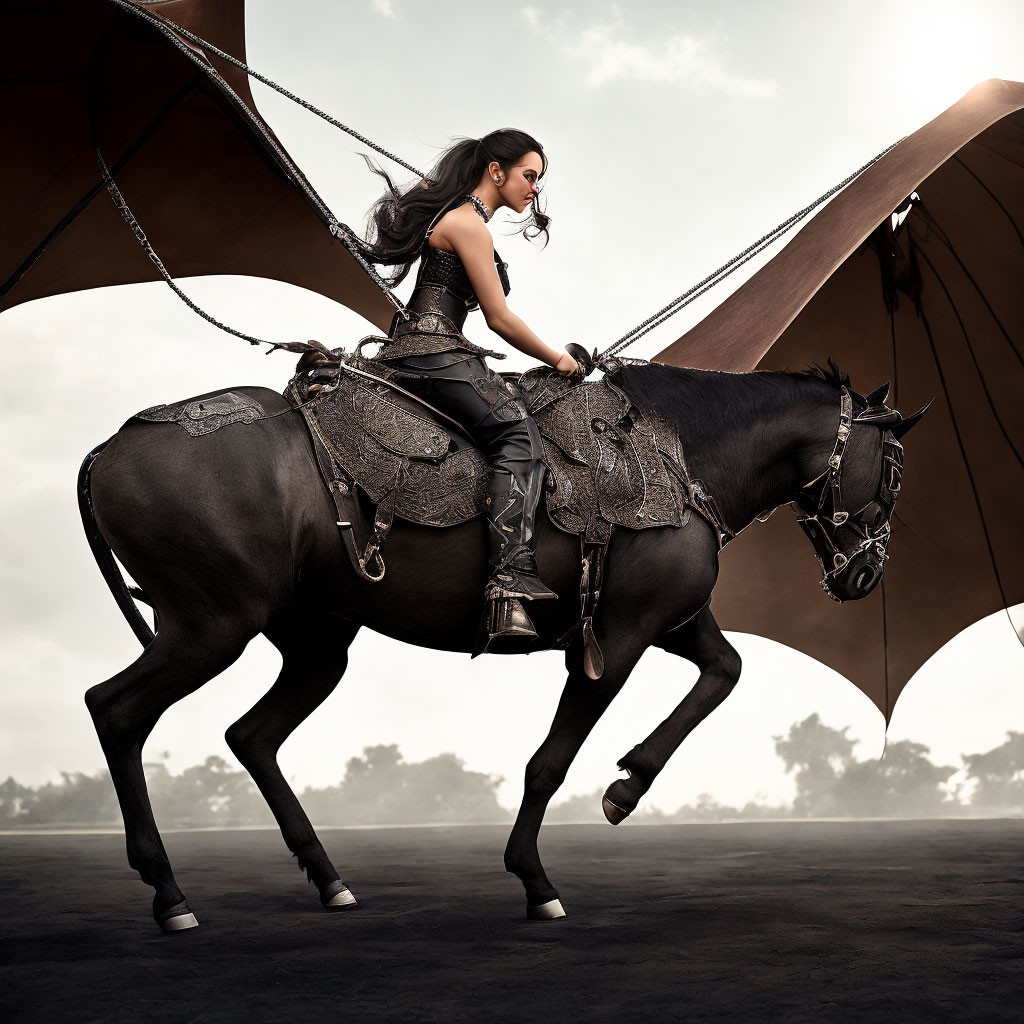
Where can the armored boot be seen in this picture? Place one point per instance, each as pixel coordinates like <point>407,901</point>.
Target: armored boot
<point>511,513</point>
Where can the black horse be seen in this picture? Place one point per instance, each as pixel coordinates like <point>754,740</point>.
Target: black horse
<point>233,534</point>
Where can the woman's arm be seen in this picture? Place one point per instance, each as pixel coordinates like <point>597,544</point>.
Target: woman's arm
<point>471,240</point>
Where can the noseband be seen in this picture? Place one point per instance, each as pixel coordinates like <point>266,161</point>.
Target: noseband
<point>821,500</point>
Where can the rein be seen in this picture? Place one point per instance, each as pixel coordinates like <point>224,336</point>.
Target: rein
<point>177,34</point>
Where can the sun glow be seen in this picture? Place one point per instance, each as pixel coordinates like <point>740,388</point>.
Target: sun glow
<point>944,49</point>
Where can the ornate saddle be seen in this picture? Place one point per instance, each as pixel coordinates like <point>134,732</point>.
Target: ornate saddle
<point>608,465</point>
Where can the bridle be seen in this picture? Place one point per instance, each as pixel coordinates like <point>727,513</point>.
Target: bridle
<point>821,500</point>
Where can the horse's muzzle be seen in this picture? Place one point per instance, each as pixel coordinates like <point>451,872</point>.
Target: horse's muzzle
<point>857,578</point>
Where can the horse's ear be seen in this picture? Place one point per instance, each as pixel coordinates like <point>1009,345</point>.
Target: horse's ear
<point>879,395</point>
<point>904,425</point>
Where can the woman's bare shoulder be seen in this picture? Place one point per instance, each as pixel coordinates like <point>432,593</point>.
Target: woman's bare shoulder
<point>461,223</point>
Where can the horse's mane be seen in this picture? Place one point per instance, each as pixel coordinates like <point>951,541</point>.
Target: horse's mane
<point>831,374</point>
<point>707,404</point>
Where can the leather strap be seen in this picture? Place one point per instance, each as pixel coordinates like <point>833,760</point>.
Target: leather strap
<point>339,486</point>
<point>591,577</point>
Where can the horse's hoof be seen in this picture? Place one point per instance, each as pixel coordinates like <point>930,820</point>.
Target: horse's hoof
<point>546,911</point>
<point>337,895</point>
<point>178,919</point>
<point>613,812</point>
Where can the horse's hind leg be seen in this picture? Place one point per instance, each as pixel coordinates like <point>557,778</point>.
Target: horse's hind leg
<point>125,709</point>
<point>701,642</point>
<point>315,653</point>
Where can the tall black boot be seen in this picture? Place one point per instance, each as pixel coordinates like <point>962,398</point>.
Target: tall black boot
<point>511,515</point>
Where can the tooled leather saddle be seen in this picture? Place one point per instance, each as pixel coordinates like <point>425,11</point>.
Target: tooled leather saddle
<point>608,464</point>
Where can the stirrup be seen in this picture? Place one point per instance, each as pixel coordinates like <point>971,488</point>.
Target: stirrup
<point>504,617</point>
<point>512,582</point>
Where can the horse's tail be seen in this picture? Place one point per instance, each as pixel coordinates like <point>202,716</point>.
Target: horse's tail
<point>105,557</point>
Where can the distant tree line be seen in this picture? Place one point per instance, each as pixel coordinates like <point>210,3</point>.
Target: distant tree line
<point>381,788</point>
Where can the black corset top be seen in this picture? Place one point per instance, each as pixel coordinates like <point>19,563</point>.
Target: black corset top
<point>442,278</point>
<point>443,269</point>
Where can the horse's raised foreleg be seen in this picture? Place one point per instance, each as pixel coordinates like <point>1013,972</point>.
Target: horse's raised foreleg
<point>315,653</point>
<point>701,642</point>
<point>125,709</point>
<point>582,703</point>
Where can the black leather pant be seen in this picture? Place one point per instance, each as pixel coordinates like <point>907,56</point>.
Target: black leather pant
<point>464,387</point>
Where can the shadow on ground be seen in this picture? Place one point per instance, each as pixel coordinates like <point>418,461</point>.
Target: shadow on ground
<point>865,921</point>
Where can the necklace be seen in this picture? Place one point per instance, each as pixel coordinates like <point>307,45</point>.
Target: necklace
<point>480,205</point>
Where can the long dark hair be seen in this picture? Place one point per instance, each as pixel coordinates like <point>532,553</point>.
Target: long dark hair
<point>398,220</point>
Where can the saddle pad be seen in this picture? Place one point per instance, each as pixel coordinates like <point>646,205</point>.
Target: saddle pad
<point>207,413</point>
<point>607,463</point>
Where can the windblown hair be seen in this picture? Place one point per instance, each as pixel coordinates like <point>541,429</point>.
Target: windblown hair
<point>398,220</point>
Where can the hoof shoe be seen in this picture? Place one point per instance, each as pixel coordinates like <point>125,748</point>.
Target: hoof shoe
<point>178,919</point>
<point>613,812</point>
<point>338,895</point>
<point>546,911</point>
<point>180,923</point>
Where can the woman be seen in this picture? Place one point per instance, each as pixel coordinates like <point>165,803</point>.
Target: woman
<point>441,221</point>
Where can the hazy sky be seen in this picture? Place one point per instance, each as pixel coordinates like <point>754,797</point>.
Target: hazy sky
<point>677,133</point>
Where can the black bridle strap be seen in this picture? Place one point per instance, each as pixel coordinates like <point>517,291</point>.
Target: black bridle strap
<point>813,523</point>
<point>830,480</point>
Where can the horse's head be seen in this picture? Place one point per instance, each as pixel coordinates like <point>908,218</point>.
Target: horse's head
<point>851,545</point>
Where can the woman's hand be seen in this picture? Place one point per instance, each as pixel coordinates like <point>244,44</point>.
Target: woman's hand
<point>567,366</point>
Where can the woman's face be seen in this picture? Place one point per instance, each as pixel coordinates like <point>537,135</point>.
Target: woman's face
<point>521,182</point>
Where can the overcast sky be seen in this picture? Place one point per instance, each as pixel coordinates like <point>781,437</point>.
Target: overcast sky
<point>677,133</point>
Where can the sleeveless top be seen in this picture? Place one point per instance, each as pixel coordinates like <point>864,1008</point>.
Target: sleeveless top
<point>442,297</point>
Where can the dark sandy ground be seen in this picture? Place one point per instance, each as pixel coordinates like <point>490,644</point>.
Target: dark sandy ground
<point>866,921</point>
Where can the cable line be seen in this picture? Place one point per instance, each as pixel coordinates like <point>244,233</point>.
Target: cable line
<point>347,237</point>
